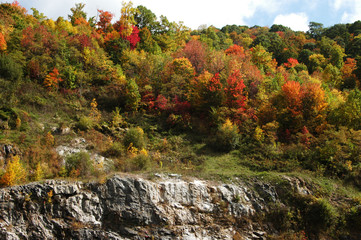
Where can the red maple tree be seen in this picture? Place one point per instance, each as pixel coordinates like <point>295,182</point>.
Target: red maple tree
<point>234,91</point>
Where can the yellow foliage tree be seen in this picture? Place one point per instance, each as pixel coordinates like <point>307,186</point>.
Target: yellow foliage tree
<point>127,18</point>
<point>15,172</point>
<point>39,173</point>
<point>95,114</point>
<point>228,126</point>
<point>63,25</point>
<point>227,137</point>
<point>197,85</point>
<point>50,24</point>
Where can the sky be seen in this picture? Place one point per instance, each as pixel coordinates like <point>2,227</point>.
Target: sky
<point>295,14</point>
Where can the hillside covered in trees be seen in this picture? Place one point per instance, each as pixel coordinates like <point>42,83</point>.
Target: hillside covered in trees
<point>153,95</point>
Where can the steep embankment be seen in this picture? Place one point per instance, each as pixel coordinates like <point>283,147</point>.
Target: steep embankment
<point>166,207</point>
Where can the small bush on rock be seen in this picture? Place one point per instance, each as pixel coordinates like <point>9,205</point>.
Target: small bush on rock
<point>79,164</point>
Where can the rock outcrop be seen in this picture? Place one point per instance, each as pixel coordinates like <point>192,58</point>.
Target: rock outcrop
<point>7,151</point>
<point>132,208</point>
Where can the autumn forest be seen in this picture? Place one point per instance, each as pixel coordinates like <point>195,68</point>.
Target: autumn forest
<point>152,95</point>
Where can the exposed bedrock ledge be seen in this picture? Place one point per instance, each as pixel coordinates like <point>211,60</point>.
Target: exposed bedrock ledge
<point>132,208</point>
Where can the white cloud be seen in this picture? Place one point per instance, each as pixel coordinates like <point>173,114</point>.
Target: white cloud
<point>351,10</point>
<point>212,12</point>
<point>351,17</point>
<point>338,4</point>
<point>296,21</point>
<point>354,14</point>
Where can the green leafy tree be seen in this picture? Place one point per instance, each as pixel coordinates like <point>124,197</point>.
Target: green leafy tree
<point>315,30</point>
<point>332,51</point>
<point>9,68</point>
<point>132,96</point>
<point>279,28</point>
<point>145,18</point>
<point>147,42</point>
<point>40,16</point>
<point>348,113</point>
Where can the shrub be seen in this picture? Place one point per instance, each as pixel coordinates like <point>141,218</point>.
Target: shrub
<point>338,152</point>
<point>9,69</point>
<point>318,214</point>
<point>280,216</point>
<point>134,137</point>
<point>117,119</point>
<point>79,162</point>
<point>141,161</point>
<point>227,137</point>
<point>9,115</point>
<point>354,218</point>
<point>115,150</point>
<point>85,123</point>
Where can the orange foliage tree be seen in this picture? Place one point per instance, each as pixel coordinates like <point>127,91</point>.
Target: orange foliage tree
<point>314,103</point>
<point>52,80</point>
<point>348,75</point>
<point>235,50</point>
<point>104,22</point>
<point>302,106</point>
<point>291,62</point>
<point>80,21</point>
<point>15,4</point>
<point>293,94</point>
<point>349,66</point>
<point>3,45</point>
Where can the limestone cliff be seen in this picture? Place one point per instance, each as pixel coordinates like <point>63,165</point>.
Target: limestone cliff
<point>132,208</point>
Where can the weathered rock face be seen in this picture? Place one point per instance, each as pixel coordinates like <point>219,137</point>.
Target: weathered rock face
<point>131,208</point>
<point>6,151</point>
